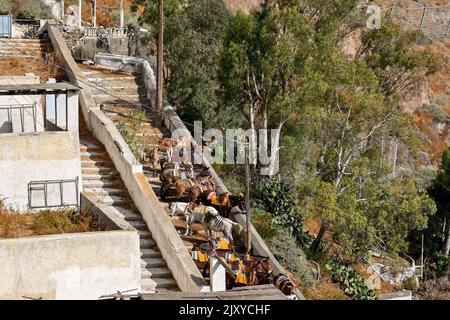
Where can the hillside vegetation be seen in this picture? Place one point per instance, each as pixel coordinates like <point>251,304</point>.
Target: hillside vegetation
<point>345,99</point>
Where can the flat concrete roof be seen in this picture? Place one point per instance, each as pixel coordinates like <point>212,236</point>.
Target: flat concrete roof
<point>260,292</point>
<point>26,89</point>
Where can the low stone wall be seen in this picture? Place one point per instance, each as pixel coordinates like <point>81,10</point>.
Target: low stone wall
<point>172,248</point>
<point>104,214</point>
<point>70,266</point>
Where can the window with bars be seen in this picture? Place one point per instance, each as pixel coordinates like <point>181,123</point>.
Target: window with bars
<point>53,193</point>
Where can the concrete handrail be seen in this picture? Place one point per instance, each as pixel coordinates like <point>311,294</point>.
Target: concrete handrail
<point>172,248</point>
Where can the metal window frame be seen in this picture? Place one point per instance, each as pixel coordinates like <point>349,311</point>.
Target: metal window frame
<point>43,186</point>
<point>21,107</point>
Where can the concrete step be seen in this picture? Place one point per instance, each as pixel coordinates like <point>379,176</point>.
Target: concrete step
<point>127,214</point>
<point>106,191</point>
<point>98,184</point>
<point>147,243</point>
<point>157,283</point>
<point>107,80</point>
<point>98,170</point>
<point>113,200</point>
<point>150,253</point>
<point>145,234</point>
<point>19,56</point>
<point>101,177</point>
<point>156,273</point>
<point>152,263</point>
<point>97,162</point>
<point>139,225</point>
<point>87,147</point>
<point>93,153</point>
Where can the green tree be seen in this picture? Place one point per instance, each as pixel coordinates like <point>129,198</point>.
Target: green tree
<point>31,9</point>
<point>390,52</point>
<point>6,7</point>
<point>439,227</point>
<point>193,40</point>
<point>382,219</point>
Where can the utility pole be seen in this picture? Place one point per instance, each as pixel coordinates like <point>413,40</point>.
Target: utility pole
<point>121,16</point>
<point>423,18</point>
<point>247,196</point>
<point>159,67</point>
<point>80,2</point>
<point>94,13</point>
<point>448,28</point>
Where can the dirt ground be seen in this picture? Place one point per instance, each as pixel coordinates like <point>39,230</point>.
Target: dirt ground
<point>12,66</point>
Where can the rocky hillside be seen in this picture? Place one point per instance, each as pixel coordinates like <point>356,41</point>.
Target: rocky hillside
<point>430,102</point>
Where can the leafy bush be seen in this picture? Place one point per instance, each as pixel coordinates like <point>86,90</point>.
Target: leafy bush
<point>438,266</point>
<point>287,252</point>
<point>279,200</point>
<point>262,221</point>
<point>6,6</point>
<point>410,284</point>
<point>135,143</point>
<point>441,100</point>
<point>351,282</point>
<point>434,111</point>
<point>32,9</point>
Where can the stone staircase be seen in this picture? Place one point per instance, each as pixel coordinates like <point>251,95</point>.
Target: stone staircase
<point>120,93</point>
<point>102,183</point>
<point>23,48</point>
<point>128,93</point>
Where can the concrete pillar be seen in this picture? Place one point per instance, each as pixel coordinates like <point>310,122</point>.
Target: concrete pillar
<point>50,105</point>
<point>217,275</point>
<point>80,2</point>
<point>60,111</point>
<point>72,111</point>
<point>94,13</point>
<point>122,20</point>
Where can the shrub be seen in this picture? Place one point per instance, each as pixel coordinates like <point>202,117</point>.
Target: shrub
<point>288,253</point>
<point>410,284</point>
<point>438,289</point>
<point>441,100</point>
<point>61,221</point>
<point>14,225</point>
<point>6,6</point>
<point>262,221</point>
<point>351,282</point>
<point>32,9</point>
<point>134,142</point>
<point>279,200</point>
<point>434,111</point>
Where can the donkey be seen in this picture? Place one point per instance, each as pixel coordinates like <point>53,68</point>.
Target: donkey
<point>219,223</point>
<point>193,213</point>
<point>154,157</point>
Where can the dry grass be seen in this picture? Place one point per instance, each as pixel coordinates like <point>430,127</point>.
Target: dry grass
<point>435,289</point>
<point>12,66</point>
<point>438,145</point>
<point>325,289</point>
<point>16,225</point>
